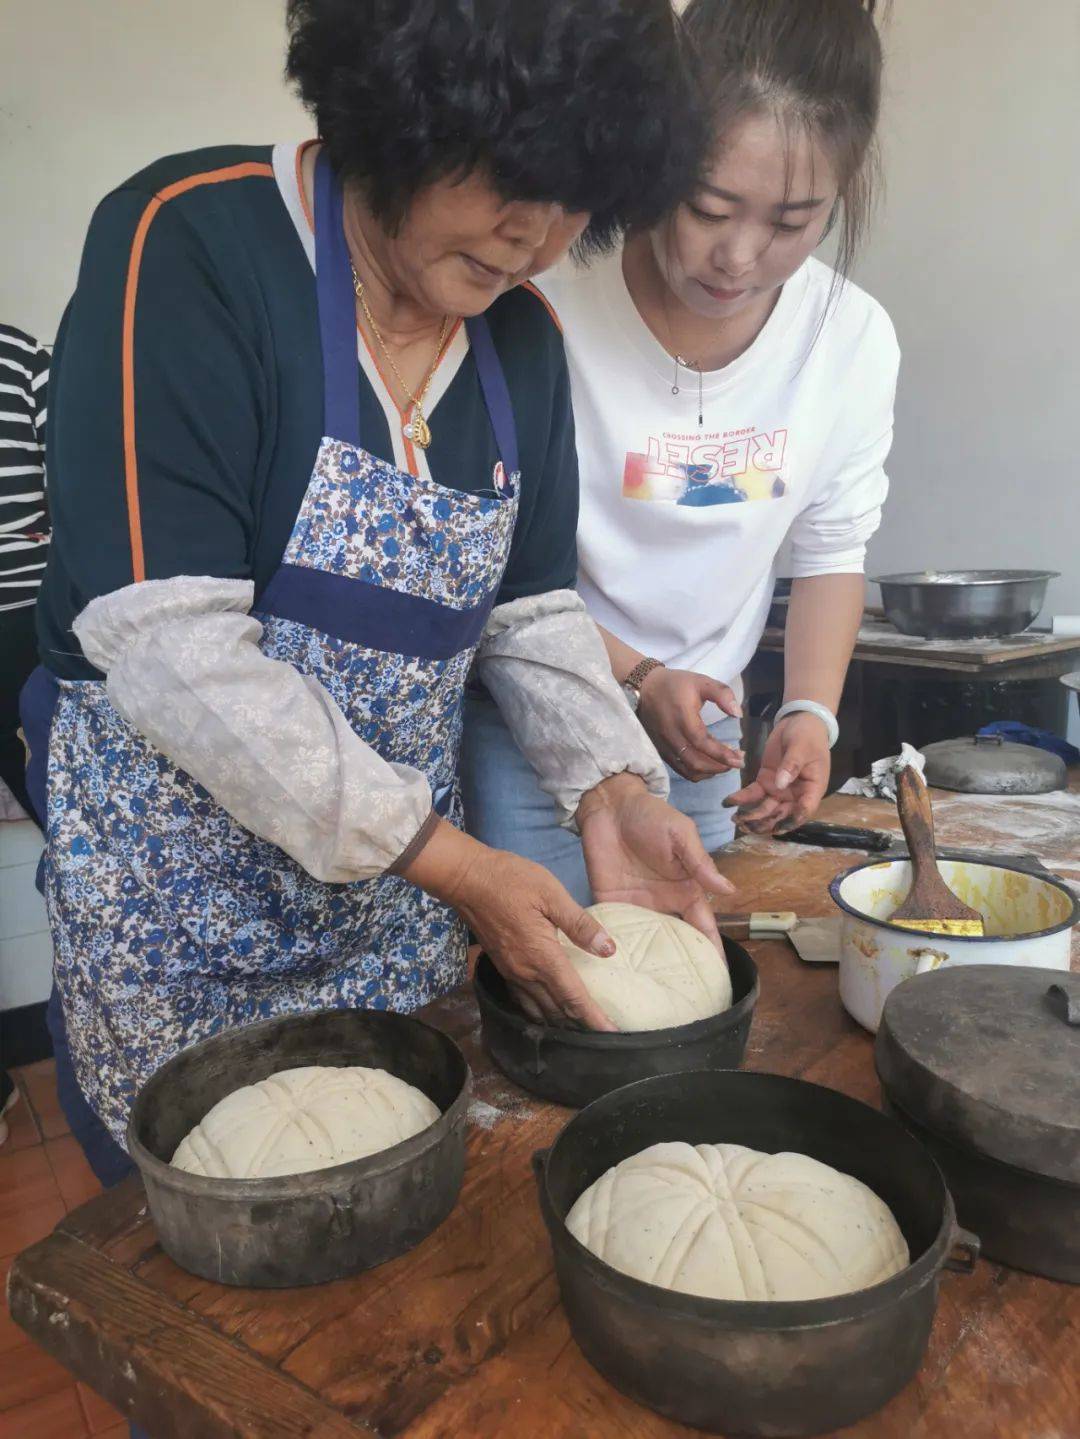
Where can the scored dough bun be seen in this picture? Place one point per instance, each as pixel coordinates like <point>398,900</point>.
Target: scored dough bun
<point>724,1222</point>
<point>304,1119</point>
<point>663,973</point>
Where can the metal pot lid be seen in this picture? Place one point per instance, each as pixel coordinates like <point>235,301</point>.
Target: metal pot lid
<point>988,1056</point>
<point>988,764</point>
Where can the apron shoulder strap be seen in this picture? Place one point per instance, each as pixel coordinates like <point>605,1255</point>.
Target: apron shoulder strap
<point>337,310</point>
<point>496,394</point>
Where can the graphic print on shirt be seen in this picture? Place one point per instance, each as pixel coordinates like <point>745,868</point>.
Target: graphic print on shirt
<point>725,467</point>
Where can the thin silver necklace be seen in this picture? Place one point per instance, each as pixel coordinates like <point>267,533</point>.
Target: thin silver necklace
<point>681,363</point>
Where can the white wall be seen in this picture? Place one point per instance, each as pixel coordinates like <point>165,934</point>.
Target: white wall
<point>977,257</point>
<point>92,90</point>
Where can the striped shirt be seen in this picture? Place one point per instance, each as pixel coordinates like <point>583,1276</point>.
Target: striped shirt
<point>24,520</point>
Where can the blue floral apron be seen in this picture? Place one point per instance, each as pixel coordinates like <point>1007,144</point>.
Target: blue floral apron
<point>170,920</point>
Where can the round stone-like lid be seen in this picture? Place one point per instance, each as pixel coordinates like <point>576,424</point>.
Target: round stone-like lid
<point>988,1057</point>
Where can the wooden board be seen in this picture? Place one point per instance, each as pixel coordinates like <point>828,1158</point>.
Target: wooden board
<point>465,1336</point>
<point>881,642</point>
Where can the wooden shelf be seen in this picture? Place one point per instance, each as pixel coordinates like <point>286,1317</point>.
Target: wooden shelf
<point>879,642</point>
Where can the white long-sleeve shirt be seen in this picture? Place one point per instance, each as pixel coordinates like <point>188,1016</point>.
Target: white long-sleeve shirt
<point>681,525</point>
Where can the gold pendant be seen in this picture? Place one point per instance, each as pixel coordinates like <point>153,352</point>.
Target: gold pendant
<point>418,430</point>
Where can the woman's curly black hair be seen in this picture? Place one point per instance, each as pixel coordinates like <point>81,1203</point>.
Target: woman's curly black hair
<point>585,103</point>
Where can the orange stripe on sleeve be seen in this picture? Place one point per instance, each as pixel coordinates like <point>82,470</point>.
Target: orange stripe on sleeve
<point>528,285</point>
<point>301,151</point>
<point>138,244</point>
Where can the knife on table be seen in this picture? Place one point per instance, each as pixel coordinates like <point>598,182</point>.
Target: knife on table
<point>841,836</point>
<point>816,940</point>
<point>879,841</point>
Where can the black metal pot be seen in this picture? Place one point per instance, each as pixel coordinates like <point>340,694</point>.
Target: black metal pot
<point>574,1067</point>
<point>1024,1220</point>
<point>304,1228</point>
<point>754,1368</point>
<point>981,1063</point>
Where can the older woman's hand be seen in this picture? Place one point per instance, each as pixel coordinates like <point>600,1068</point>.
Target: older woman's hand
<point>515,908</point>
<point>641,850</point>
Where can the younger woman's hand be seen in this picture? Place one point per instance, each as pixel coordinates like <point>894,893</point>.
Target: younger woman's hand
<point>792,780</point>
<point>670,710</point>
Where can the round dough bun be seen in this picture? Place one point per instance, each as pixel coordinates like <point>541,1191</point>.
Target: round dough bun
<point>725,1222</point>
<point>663,973</point>
<point>304,1119</point>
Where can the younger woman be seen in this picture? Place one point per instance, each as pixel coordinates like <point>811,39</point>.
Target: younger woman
<point>731,393</point>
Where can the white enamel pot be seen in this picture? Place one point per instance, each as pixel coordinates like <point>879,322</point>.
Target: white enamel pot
<point>1028,919</point>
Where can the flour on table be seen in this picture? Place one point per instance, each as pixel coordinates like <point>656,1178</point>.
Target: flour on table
<point>1052,819</point>
<point>482,1115</point>
<point>498,1099</point>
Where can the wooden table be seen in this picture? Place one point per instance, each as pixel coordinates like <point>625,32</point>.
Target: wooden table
<point>465,1336</point>
<point>1032,652</point>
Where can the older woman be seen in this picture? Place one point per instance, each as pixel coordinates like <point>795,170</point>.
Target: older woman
<point>311,451</point>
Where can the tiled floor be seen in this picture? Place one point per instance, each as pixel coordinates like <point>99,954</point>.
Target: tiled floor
<point>43,1176</point>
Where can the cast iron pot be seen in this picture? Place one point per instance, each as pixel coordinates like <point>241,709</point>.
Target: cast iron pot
<point>754,1368</point>
<point>574,1067</point>
<point>305,1228</point>
<point>1027,1221</point>
<point>982,1066</point>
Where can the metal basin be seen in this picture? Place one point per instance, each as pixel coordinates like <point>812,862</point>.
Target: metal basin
<point>964,604</point>
<point>302,1228</point>
<point>757,1368</point>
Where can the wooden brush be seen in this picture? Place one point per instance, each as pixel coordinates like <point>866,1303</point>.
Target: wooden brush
<point>931,905</point>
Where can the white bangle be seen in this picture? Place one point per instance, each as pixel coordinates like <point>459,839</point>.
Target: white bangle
<point>811,707</point>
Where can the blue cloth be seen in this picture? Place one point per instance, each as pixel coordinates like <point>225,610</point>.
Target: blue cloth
<point>505,806</point>
<point>37,704</point>
<point>379,618</point>
<point>105,1157</point>
<point>1018,733</point>
<point>109,1162</point>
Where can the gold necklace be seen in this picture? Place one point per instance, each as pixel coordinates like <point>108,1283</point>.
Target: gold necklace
<point>416,428</point>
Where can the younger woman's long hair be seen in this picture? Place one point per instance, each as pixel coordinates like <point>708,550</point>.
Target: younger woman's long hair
<point>816,66</point>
